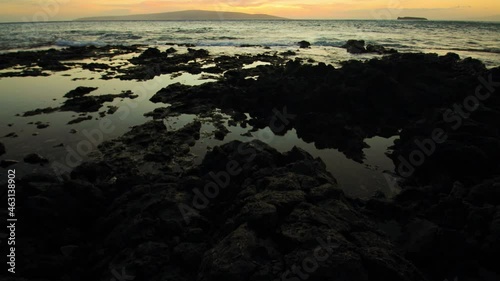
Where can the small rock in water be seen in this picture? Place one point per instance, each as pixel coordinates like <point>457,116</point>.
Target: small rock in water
<point>112,109</point>
<point>171,50</point>
<point>2,149</point>
<point>41,125</point>
<point>379,49</point>
<point>80,119</point>
<point>11,135</point>
<point>304,44</point>
<point>355,46</point>
<point>35,158</point>
<point>79,92</point>
<point>73,131</point>
<point>288,53</point>
<point>247,134</point>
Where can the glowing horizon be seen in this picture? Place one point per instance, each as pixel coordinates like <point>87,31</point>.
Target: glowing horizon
<point>53,10</point>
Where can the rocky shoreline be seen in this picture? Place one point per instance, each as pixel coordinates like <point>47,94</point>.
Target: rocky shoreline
<point>144,208</point>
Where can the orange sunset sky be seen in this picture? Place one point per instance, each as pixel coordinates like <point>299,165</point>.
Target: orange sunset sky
<point>53,10</point>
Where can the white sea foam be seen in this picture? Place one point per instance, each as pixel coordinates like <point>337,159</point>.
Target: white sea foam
<point>479,40</point>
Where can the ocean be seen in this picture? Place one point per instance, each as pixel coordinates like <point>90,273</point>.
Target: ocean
<point>469,39</point>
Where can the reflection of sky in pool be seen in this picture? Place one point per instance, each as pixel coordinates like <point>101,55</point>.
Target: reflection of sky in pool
<point>19,95</point>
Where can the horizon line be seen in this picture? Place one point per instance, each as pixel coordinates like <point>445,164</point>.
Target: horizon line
<point>276,18</point>
<point>279,19</point>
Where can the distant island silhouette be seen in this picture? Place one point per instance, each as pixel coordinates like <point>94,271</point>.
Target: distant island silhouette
<point>185,15</point>
<point>411,18</point>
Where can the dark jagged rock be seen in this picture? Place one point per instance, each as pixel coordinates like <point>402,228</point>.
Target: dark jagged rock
<point>270,215</point>
<point>153,62</point>
<point>358,47</point>
<point>96,66</point>
<point>248,212</point>
<point>52,59</point>
<point>329,106</point>
<point>355,46</point>
<point>250,46</point>
<point>2,149</point>
<point>112,109</point>
<point>80,102</point>
<point>472,142</point>
<point>171,50</point>
<point>25,73</point>
<point>441,227</point>
<point>220,131</point>
<point>79,92</point>
<point>40,125</point>
<point>150,53</point>
<point>201,53</point>
<point>188,45</point>
<point>288,53</point>
<point>92,103</point>
<point>11,135</point>
<point>40,111</point>
<point>35,158</point>
<point>379,49</point>
<point>51,64</point>
<point>7,163</point>
<point>190,62</point>
<point>80,119</point>
<point>304,44</point>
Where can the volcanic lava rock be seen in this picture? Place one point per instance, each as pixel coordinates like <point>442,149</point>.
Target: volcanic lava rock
<point>51,64</point>
<point>40,111</point>
<point>11,135</point>
<point>150,53</point>
<point>379,49</point>
<point>79,92</point>
<point>7,163</point>
<point>80,119</point>
<point>35,158</point>
<point>41,125</point>
<point>355,46</point>
<point>304,44</point>
<point>258,224</point>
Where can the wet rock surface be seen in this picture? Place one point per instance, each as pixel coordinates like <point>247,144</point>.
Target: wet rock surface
<point>8,163</point>
<point>334,108</point>
<point>79,101</point>
<point>358,47</point>
<point>2,149</point>
<point>248,212</point>
<point>446,231</point>
<point>443,108</point>
<point>153,62</point>
<point>11,135</point>
<point>79,120</point>
<point>39,63</point>
<point>41,125</point>
<point>304,44</point>
<point>35,158</point>
<point>269,213</point>
<point>79,92</point>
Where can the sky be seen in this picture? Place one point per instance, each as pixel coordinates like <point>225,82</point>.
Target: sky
<point>53,10</point>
